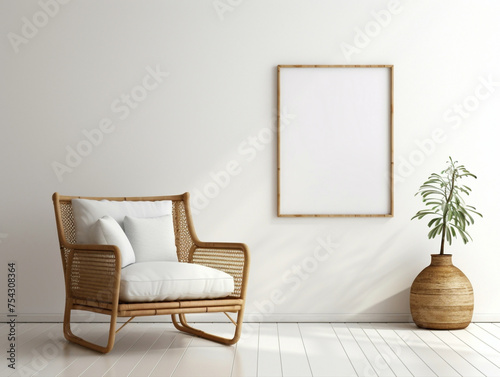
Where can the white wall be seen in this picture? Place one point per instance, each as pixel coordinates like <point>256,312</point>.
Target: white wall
<point>217,106</point>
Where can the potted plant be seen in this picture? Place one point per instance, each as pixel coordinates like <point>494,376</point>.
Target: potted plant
<point>441,296</point>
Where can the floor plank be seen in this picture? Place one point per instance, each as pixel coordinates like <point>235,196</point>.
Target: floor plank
<point>88,358</point>
<point>71,353</point>
<point>132,333</point>
<point>480,362</point>
<point>294,361</point>
<point>247,352</point>
<point>269,359</point>
<point>398,344</point>
<point>264,350</point>
<point>491,328</point>
<point>386,351</point>
<point>452,357</point>
<point>479,345</point>
<point>34,351</point>
<point>153,356</point>
<point>428,355</point>
<point>354,352</point>
<point>135,353</point>
<point>376,360</point>
<point>24,333</point>
<point>491,341</point>
<point>324,350</point>
<point>205,362</point>
<point>172,356</point>
<point>206,358</point>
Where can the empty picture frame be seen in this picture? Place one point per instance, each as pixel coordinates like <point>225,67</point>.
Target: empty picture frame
<point>335,141</point>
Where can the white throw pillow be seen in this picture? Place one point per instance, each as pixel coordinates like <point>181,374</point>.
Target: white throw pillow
<point>153,238</point>
<point>168,281</point>
<point>106,231</point>
<point>87,211</point>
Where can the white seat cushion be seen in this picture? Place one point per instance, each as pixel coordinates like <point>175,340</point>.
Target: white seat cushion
<point>170,281</point>
<point>106,231</point>
<point>88,211</point>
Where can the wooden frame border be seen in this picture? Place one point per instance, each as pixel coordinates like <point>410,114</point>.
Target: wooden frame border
<point>391,141</point>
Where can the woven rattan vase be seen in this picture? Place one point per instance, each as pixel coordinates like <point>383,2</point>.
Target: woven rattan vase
<point>441,296</point>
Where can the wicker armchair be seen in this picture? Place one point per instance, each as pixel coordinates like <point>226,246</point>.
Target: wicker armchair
<point>92,274</point>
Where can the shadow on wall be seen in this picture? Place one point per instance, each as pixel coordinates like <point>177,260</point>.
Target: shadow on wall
<point>365,277</point>
<point>393,301</point>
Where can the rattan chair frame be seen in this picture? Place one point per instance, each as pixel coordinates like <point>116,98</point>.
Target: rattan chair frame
<point>92,274</point>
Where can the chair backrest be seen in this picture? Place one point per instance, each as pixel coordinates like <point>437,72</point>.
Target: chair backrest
<point>184,230</point>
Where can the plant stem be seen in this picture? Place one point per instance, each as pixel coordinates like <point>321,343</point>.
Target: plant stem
<point>445,212</point>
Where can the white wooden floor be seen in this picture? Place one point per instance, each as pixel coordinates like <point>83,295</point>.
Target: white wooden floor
<point>266,349</point>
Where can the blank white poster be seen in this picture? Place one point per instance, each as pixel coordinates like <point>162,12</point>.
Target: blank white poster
<point>335,148</point>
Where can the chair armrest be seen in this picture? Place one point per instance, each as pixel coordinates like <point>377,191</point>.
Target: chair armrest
<point>232,258</point>
<point>93,273</point>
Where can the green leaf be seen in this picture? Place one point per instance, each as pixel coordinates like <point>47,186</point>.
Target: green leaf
<point>433,221</point>
<point>465,236</point>
<point>434,203</point>
<point>443,196</point>
<point>431,192</point>
<point>435,231</point>
<point>448,235</point>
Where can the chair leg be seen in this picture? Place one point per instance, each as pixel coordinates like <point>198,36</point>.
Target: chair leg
<point>68,334</point>
<point>183,326</point>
